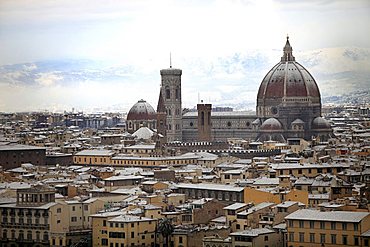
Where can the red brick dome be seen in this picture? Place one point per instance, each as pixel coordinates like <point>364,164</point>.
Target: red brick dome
<point>142,110</point>
<point>288,79</point>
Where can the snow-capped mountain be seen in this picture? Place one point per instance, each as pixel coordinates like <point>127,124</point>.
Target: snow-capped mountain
<point>231,80</point>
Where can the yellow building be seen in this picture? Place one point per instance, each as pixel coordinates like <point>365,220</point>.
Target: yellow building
<point>308,170</point>
<point>256,237</point>
<point>140,161</point>
<point>251,217</point>
<point>274,196</point>
<point>140,150</point>
<point>307,227</point>
<point>34,219</point>
<point>119,229</point>
<point>93,157</point>
<point>231,211</point>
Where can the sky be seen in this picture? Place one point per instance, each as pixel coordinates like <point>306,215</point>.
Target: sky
<point>137,37</point>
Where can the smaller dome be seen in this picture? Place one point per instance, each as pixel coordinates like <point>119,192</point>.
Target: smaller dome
<point>257,121</point>
<point>298,121</point>
<point>143,133</point>
<point>271,124</point>
<point>142,110</point>
<point>320,123</point>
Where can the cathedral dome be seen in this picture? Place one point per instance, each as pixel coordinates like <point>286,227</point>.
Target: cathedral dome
<point>142,110</point>
<point>288,79</point>
<point>271,124</point>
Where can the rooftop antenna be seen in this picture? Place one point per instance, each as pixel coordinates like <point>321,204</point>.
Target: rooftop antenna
<point>170,61</point>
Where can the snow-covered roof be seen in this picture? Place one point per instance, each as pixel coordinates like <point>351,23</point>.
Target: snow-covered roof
<point>341,216</point>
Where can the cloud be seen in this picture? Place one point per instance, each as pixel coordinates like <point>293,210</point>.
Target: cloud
<point>48,79</point>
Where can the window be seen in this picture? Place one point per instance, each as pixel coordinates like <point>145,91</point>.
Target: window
<point>180,240</point>
<point>104,241</point>
<point>104,223</point>
<point>29,235</point>
<point>322,238</point>
<point>312,224</point>
<point>301,224</point>
<point>73,208</point>
<point>266,238</point>
<point>168,93</point>
<point>344,226</point>
<point>355,226</point>
<point>21,235</point>
<point>202,118</point>
<point>333,225</point>
<point>291,237</point>
<point>237,226</point>
<point>301,237</point>
<point>73,219</point>
<point>333,238</point>
<point>344,240</point>
<point>312,237</point>
<point>46,236</point>
<point>59,210</point>
<point>177,93</point>
<point>290,223</point>
<point>132,234</point>
<point>356,240</point>
<point>322,225</point>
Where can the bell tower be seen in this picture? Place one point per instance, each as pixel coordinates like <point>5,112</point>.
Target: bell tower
<point>171,100</point>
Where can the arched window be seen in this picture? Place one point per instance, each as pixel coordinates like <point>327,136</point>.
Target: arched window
<point>168,93</point>
<point>21,235</point>
<point>46,236</point>
<point>177,93</point>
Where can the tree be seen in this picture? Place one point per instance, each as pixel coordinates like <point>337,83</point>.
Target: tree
<point>166,228</point>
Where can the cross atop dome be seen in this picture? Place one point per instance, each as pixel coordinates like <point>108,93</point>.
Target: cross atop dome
<point>288,52</point>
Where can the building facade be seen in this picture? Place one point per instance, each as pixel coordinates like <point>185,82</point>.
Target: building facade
<point>307,227</point>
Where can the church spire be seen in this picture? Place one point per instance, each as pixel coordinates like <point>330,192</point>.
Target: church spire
<point>288,52</point>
